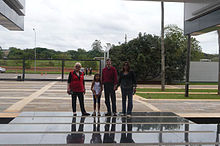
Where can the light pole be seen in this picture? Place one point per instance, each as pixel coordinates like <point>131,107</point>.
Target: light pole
<point>35,53</point>
<point>108,47</point>
<point>106,52</point>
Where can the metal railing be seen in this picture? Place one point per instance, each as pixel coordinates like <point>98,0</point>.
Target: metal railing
<point>45,69</point>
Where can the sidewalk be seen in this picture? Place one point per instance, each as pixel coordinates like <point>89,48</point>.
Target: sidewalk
<point>179,86</point>
<point>17,97</point>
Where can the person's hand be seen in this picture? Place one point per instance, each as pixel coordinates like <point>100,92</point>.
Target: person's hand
<point>134,91</point>
<point>100,93</point>
<point>115,87</point>
<point>93,91</point>
<point>68,91</point>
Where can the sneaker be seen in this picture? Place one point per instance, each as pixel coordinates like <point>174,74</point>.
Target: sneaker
<point>123,114</point>
<point>108,114</point>
<point>85,114</point>
<point>74,114</point>
<point>114,114</point>
<point>94,114</point>
<point>99,114</point>
<point>128,115</point>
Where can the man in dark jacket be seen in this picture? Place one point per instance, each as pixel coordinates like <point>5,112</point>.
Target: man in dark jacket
<point>109,79</point>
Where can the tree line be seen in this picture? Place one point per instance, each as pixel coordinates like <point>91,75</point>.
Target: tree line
<point>44,53</point>
<point>142,52</point>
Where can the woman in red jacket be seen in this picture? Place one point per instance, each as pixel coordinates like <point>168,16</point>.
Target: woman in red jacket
<point>76,87</point>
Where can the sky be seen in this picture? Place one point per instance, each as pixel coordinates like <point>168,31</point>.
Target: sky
<point>71,24</point>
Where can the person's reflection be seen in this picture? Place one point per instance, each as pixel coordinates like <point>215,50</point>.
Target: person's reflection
<point>217,133</point>
<point>75,137</point>
<point>96,136</point>
<point>109,136</point>
<point>126,137</point>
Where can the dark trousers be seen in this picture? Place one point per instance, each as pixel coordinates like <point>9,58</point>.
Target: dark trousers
<point>109,91</point>
<point>109,137</point>
<point>97,99</point>
<point>126,137</point>
<point>127,93</point>
<point>81,101</point>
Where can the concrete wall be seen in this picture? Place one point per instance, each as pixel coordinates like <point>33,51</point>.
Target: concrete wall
<point>201,17</point>
<point>203,72</point>
<point>193,10</point>
<point>12,14</point>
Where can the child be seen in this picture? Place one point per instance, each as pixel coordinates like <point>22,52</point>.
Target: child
<point>97,92</point>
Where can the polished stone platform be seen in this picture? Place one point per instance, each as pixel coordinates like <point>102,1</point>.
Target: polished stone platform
<point>146,128</point>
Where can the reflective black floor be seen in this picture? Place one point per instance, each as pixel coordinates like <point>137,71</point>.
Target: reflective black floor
<point>141,128</point>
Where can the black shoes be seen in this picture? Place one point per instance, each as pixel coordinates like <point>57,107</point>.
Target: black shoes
<point>108,114</point>
<point>85,114</point>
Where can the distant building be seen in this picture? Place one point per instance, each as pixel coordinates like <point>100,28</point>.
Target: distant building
<point>12,14</point>
<point>203,71</point>
<point>205,60</point>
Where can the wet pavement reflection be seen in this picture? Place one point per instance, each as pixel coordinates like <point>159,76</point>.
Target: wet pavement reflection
<point>141,128</point>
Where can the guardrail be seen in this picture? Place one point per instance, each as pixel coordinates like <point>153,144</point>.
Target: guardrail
<point>45,69</point>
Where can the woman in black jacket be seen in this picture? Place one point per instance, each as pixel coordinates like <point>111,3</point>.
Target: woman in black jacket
<point>127,81</point>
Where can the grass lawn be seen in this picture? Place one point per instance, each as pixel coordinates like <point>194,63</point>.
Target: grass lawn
<point>175,90</point>
<point>201,83</point>
<point>177,96</point>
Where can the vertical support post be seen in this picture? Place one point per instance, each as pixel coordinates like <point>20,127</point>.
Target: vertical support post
<point>161,135</point>
<point>219,62</point>
<point>186,135</point>
<point>23,74</point>
<point>35,51</point>
<point>108,54</point>
<point>63,63</point>
<point>162,49</point>
<point>188,65</point>
<point>100,67</point>
<point>104,58</point>
<point>217,134</point>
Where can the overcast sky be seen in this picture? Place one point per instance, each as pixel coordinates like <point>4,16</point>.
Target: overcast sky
<point>71,24</point>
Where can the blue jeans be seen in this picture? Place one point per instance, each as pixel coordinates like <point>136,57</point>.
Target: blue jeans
<point>127,93</point>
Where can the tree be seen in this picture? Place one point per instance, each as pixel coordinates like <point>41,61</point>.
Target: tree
<point>162,49</point>
<point>219,62</point>
<point>96,50</point>
<point>144,55</point>
<point>15,53</point>
<point>73,54</point>
<point>96,45</point>
<point>82,54</point>
<point>176,47</point>
<point>1,53</point>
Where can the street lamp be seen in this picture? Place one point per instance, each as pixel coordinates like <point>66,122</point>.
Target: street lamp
<point>106,52</point>
<point>108,47</point>
<point>35,53</point>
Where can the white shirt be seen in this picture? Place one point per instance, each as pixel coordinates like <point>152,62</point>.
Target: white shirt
<point>97,87</point>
